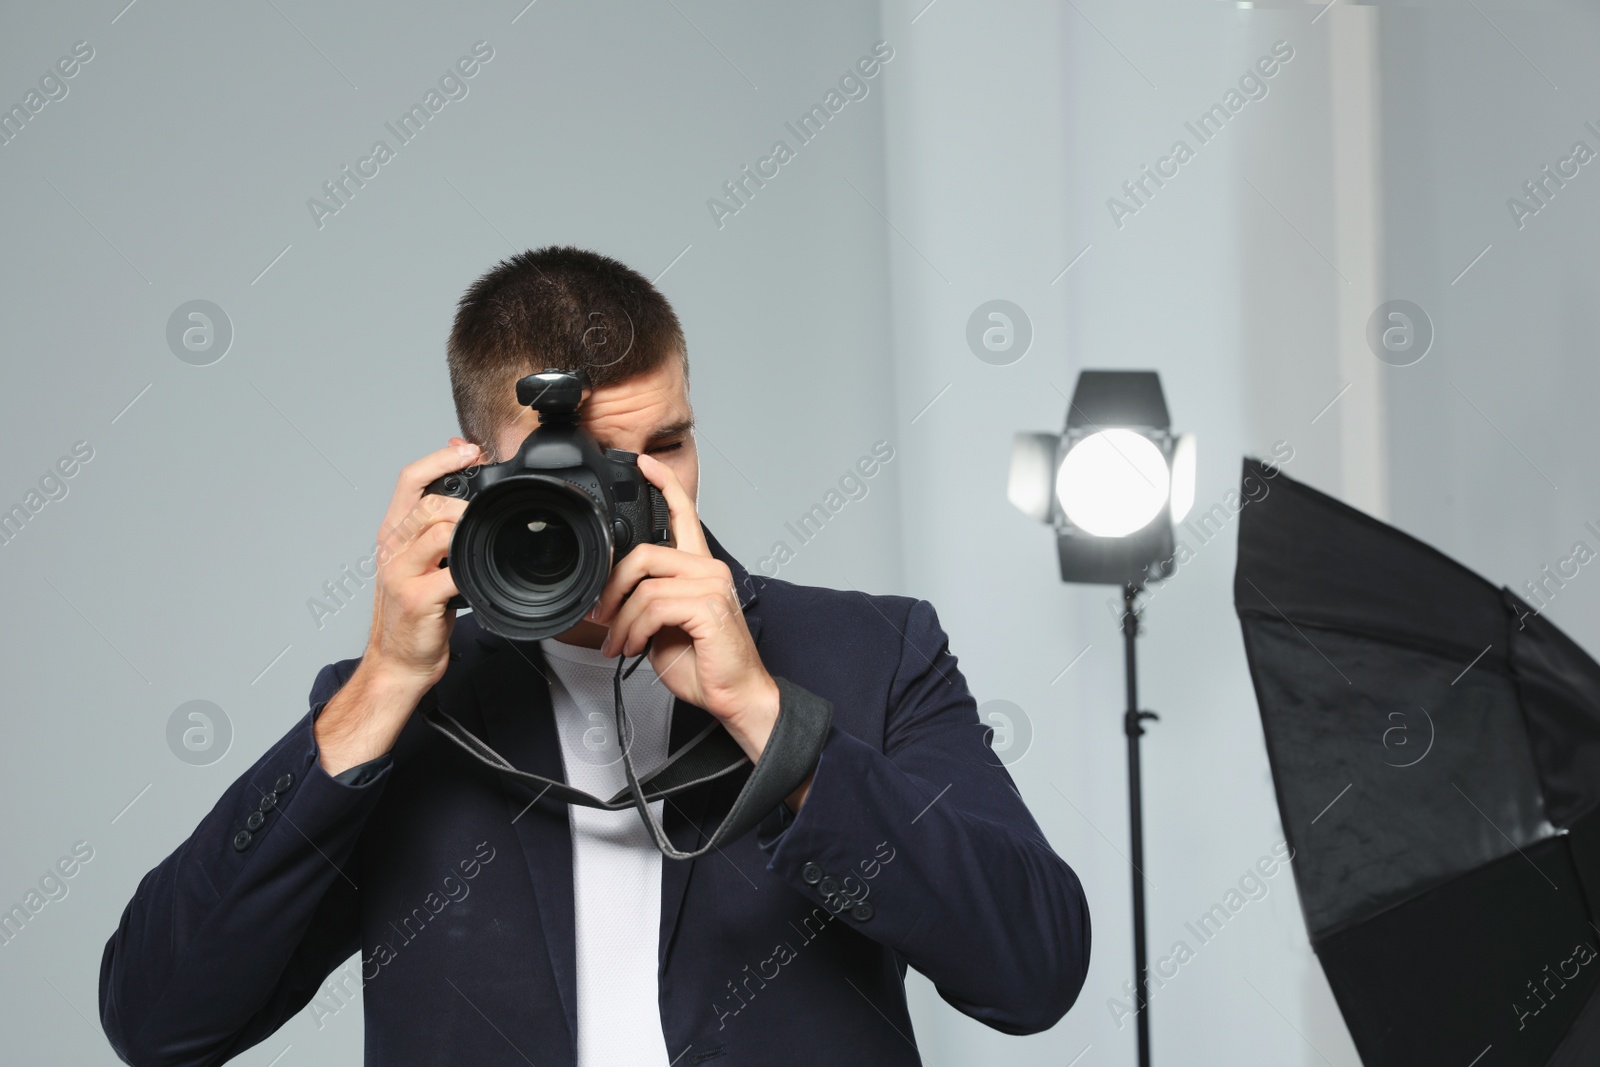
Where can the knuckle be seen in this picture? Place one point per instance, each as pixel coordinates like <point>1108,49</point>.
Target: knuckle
<point>404,530</point>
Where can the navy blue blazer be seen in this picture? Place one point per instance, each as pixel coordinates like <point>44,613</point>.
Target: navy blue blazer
<point>454,885</point>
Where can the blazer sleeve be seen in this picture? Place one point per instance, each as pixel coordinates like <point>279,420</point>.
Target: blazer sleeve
<point>930,834</point>
<point>232,934</point>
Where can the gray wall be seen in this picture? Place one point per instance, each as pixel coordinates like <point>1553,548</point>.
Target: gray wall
<point>179,564</point>
<point>1008,208</point>
<point>1376,168</point>
<point>823,317</point>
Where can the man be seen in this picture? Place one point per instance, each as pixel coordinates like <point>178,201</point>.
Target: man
<point>495,925</point>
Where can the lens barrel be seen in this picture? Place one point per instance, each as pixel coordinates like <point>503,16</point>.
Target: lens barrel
<point>531,553</point>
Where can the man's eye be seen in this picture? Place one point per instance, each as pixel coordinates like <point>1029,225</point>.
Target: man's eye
<point>673,447</point>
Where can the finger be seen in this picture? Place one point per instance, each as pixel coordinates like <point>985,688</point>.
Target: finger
<point>423,554</point>
<point>414,476</point>
<point>695,615</point>
<point>429,510</point>
<point>436,588</point>
<point>684,521</point>
<point>656,589</point>
<point>654,561</point>
<point>415,599</point>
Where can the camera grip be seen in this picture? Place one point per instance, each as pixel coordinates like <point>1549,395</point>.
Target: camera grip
<point>452,484</point>
<point>660,516</point>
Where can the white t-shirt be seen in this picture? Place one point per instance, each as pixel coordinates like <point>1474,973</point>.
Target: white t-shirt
<point>616,868</point>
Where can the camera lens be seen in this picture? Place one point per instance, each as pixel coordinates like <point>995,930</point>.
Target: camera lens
<point>531,555</point>
<point>537,546</point>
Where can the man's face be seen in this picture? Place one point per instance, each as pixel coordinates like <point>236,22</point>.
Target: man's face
<point>647,414</point>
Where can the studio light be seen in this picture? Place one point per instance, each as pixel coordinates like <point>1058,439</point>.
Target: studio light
<point>1113,484</point>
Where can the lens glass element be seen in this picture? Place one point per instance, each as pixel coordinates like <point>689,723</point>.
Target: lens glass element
<point>538,546</point>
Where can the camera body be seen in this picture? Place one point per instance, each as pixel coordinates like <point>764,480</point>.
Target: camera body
<point>543,529</point>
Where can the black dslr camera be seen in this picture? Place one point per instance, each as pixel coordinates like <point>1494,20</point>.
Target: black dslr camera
<point>543,529</point>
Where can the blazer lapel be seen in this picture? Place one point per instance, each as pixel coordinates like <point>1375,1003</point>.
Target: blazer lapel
<point>683,818</point>
<point>687,816</point>
<point>514,695</point>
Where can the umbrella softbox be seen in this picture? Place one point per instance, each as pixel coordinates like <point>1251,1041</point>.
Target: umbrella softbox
<point>1435,746</point>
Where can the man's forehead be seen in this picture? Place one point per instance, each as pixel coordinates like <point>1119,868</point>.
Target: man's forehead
<point>640,407</point>
<point>638,430</point>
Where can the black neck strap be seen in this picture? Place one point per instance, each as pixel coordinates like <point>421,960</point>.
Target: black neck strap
<point>789,757</point>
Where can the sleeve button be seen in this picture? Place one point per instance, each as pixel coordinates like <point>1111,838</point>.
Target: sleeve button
<point>285,780</point>
<point>829,887</point>
<point>241,840</point>
<point>861,912</point>
<point>268,802</point>
<point>811,874</point>
<point>255,820</point>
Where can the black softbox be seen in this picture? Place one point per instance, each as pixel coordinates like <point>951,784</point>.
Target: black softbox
<point>1435,747</point>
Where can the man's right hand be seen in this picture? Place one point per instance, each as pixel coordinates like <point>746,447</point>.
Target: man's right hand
<point>408,648</point>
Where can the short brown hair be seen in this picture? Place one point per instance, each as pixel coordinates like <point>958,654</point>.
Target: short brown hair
<point>553,308</point>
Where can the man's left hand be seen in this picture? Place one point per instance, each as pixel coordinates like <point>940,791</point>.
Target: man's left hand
<point>685,599</point>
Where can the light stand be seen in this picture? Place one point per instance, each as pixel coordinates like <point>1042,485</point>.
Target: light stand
<point>1133,726</point>
<point>1113,484</point>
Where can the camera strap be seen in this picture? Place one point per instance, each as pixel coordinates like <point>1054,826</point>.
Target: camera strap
<point>789,757</point>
